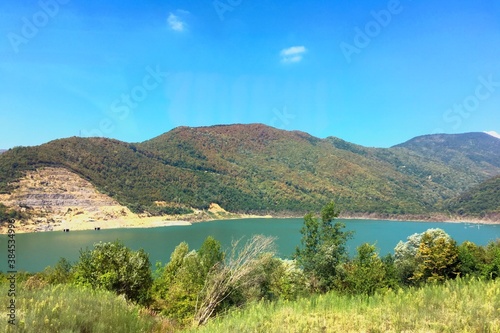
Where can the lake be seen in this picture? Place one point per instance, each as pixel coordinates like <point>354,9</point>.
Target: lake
<point>37,250</point>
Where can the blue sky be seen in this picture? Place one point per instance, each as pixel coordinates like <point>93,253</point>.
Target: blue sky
<point>375,73</point>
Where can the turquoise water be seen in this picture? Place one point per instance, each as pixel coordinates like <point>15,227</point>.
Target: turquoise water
<point>37,250</point>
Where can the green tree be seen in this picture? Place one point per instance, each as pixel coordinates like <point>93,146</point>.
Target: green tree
<point>323,247</point>
<point>491,268</point>
<point>426,256</point>
<point>115,267</point>
<point>471,258</point>
<point>404,258</point>
<point>437,258</point>
<point>366,274</point>
<point>60,273</point>
<point>285,280</point>
<point>180,283</point>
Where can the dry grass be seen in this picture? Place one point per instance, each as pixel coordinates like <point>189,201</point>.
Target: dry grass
<point>76,309</point>
<point>455,306</point>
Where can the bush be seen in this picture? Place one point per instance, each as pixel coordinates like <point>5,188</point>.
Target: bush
<point>286,280</point>
<point>428,256</point>
<point>239,273</point>
<point>437,258</point>
<point>7,214</point>
<point>366,273</point>
<point>180,282</point>
<point>114,267</point>
<point>491,268</point>
<point>60,273</point>
<point>471,258</point>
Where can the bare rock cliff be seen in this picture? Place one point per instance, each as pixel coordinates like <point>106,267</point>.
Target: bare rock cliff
<point>58,198</point>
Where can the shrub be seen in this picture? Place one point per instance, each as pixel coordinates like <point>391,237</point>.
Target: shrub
<point>113,266</point>
<point>60,273</point>
<point>366,273</point>
<point>471,258</point>
<point>491,268</point>
<point>179,283</point>
<point>431,255</point>
<point>437,258</point>
<point>241,271</point>
<point>286,280</point>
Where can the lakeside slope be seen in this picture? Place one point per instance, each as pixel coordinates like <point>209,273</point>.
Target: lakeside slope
<point>247,169</point>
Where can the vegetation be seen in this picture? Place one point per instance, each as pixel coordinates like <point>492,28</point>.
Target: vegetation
<point>7,214</point>
<point>441,285</point>
<point>367,273</point>
<point>427,257</point>
<point>323,248</point>
<point>178,284</point>
<point>114,267</point>
<point>74,309</point>
<point>455,306</point>
<point>481,201</point>
<point>259,169</point>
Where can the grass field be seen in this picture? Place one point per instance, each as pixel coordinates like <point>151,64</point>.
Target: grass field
<point>456,306</point>
<point>73,309</point>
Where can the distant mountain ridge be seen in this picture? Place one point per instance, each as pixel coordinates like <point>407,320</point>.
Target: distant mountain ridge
<point>454,149</point>
<point>255,168</point>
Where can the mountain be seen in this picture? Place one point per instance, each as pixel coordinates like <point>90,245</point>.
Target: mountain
<point>482,200</point>
<point>2,150</point>
<point>257,168</point>
<point>460,151</point>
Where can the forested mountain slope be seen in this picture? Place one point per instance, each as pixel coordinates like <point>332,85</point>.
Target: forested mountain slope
<point>481,200</point>
<point>257,168</point>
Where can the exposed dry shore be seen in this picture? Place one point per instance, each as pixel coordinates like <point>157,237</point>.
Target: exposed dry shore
<point>126,222</point>
<point>165,221</point>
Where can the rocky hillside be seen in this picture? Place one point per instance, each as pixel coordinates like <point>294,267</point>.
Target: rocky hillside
<point>54,197</point>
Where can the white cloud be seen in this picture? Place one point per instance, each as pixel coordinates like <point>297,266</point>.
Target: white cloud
<point>292,54</point>
<point>175,23</point>
<point>493,133</point>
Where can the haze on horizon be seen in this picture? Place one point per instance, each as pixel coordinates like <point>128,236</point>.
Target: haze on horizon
<point>375,73</point>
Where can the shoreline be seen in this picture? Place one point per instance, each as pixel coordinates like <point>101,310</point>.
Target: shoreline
<point>156,222</point>
<point>421,218</point>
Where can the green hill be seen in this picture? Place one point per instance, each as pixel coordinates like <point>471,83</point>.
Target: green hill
<point>481,200</point>
<point>259,169</point>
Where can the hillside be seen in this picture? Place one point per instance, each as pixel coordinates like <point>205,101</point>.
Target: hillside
<point>462,152</point>
<point>259,169</point>
<point>482,200</point>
